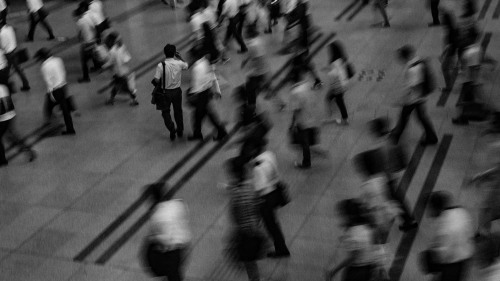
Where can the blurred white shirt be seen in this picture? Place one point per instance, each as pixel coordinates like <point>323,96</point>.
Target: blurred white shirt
<point>119,58</point>
<point>173,73</point>
<point>97,11</point>
<point>231,8</point>
<point>6,106</point>
<point>86,26</point>
<point>265,173</point>
<point>34,5</point>
<point>8,41</point>
<point>53,73</point>
<point>3,5</point>
<point>202,77</point>
<point>170,224</point>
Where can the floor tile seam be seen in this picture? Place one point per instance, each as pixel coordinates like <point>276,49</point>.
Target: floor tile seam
<point>68,208</point>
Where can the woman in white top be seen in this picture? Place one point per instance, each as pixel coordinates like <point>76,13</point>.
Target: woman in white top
<point>338,78</point>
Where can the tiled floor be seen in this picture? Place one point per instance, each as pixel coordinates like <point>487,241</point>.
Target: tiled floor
<point>50,210</point>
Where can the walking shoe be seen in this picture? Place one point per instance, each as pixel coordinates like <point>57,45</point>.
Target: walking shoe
<point>194,138</point>
<point>134,103</point>
<point>433,24</point>
<point>68,133</point>
<point>280,254</point>
<point>301,166</point>
<point>25,88</point>
<point>109,102</point>
<point>52,37</point>
<point>172,135</point>
<point>342,122</point>
<point>407,226</point>
<point>84,80</point>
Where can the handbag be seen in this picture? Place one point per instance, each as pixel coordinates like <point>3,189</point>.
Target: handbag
<point>158,90</point>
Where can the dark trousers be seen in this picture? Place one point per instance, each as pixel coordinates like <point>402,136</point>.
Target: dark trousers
<point>7,130</point>
<point>380,5</point>
<point>59,98</point>
<point>120,84</point>
<point>233,31</point>
<point>305,136</point>
<point>396,195</point>
<point>13,62</point>
<point>173,264</point>
<point>4,76</point>
<point>339,100</point>
<point>453,271</point>
<point>271,223</point>
<point>86,54</point>
<point>435,11</point>
<point>34,20</point>
<point>4,125</point>
<point>3,15</point>
<point>204,108</point>
<point>253,86</point>
<point>358,273</point>
<point>430,135</point>
<point>173,97</point>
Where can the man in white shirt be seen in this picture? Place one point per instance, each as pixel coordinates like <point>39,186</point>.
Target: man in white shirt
<point>8,45</point>
<point>414,98</point>
<point>168,79</point>
<point>265,179</point>
<point>123,78</point>
<point>7,114</point>
<point>453,245</point>
<point>54,74</point>
<point>201,95</point>
<point>256,64</point>
<point>231,10</point>
<point>87,35</point>
<point>38,15</point>
<point>97,14</point>
<point>305,115</point>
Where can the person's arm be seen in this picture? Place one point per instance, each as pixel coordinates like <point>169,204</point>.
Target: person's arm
<point>158,75</point>
<point>332,272</point>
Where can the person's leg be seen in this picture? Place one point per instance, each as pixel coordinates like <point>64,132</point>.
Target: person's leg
<point>173,265</point>
<point>251,86</point>
<point>306,147</point>
<point>273,227</point>
<point>84,57</point>
<point>214,119</point>
<point>252,271</point>
<point>447,66</point>
<point>3,128</point>
<point>229,31</point>
<point>48,28</point>
<point>4,76</point>
<point>435,12</point>
<point>17,140</point>
<point>60,95</point>
<point>405,214</point>
<point>199,115</point>
<point>33,22</point>
<point>339,100</point>
<point>48,107</point>
<point>403,120</point>
<point>20,72</point>
<point>237,35</point>
<point>430,134</point>
<point>381,8</point>
<point>165,113</point>
<point>177,107</point>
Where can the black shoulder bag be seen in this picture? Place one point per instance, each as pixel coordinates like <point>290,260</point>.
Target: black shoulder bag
<point>159,86</point>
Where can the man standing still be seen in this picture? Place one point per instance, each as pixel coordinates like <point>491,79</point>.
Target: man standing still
<point>38,14</point>
<point>414,99</point>
<point>54,74</point>
<point>168,78</point>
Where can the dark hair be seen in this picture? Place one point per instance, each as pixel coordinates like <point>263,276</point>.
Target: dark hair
<point>111,39</point>
<point>439,201</point>
<point>236,168</point>
<point>406,52</point>
<point>42,54</point>
<point>379,126</point>
<point>252,31</point>
<point>337,51</point>
<point>369,162</point>
<point>354,211</point>
<point>169,51</point>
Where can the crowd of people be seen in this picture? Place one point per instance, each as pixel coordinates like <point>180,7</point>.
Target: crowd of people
<point>255,188</point>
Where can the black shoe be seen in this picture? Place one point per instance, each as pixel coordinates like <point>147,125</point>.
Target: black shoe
<point>195,138</point>
<point>29,39</point>
<point>429,141</point>
<point>52,37</point>
<point>220,136</point>
<point>407,226</point>
<point>280,254</point>
<point>242,51</point>
<point>68,133</point>
<point>301,166</point>
<point>84,80</point>
<point>180,134</point>
<point>25,88</point>
<point>172,135</point>
<point>460,121</point>
<point>433,24</point>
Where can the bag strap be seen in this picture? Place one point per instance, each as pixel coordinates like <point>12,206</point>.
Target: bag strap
<point>163,80</point>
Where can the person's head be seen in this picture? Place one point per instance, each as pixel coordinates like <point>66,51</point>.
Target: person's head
<point>352,212</point>
<point>111,39</point>
<point>169,51</point>
<point>379,127</point>
<point>368,163</point>
<point>156,192</point>
<point>439,201</point>
<point>336,51</point>
<point>84,6</point>
<point>406,53</point>
<point>42,54</point>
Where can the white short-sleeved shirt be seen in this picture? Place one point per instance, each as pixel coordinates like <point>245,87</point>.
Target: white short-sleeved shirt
<point>302,98</point>
<point>3,5</point>
<point>119,57</point>
<point>7,111</point>
<point>265,174</point>
<point>87,28</point>
<point>360,239</point>
<point>414,77</point>
<point>34,5</point>
<point>53,73</point>
<point>257,63</point>
<point>170,224</point>
<point>97,12</point>
<point>231,8</point>
<point>202,76</point>
<point>173,73</point>
<point>454,235</point>
<point>8,41</point>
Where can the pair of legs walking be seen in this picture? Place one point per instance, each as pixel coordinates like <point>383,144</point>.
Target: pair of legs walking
<point>234,28</point>
<point>59,97</point>
<point>36,18</point>
<point>122,84</point>
<point>173,98</point>
<point>13,62</point>
<point>204,108</point>
<point>419,107</point>
<point>7,130</point>
<point>267,211</point>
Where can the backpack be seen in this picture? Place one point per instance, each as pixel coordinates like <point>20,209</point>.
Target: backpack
<point>429,82</point>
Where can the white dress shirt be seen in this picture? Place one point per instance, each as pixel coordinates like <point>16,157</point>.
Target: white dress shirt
<point>3,5</point>
<point>265,173</point>
<point>97,12</point>
<point>302,99</point>
<point>6,106</point>
<point>173,71</point>
<point>196,23</point>
<point>8,41</point>
<point>231,8</point>
<point>87,28</point>
<point>119,57</point>
<point>53,73</point>
<point>454,236</point>
<point>170,224</point>
<point>202,76</point>
<point>34,5</point>
<point>414,77</point>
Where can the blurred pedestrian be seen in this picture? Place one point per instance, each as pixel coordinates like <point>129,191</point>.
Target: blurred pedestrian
<point>255,64</point>
<point>231,11</point>
<point>87,36</point>
<point>338,79</point>
<point>38,14</point>
<point>8,45</point>
<point>99,18</point>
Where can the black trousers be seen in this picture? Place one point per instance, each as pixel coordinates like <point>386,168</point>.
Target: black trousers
<point>454,271</point>
<point>4,125</point>
<point>4,76</point>
<point>253,86</point>
<point>61,99</point>
<point>120,84</point>
<point>86,54</point>
<point>13,62</point>
<point>271,223</point>
<point>395,194</point>
<point>305,135</point>
<point>339,100</point>
<point>204,108</point>
<point>430,135</point>
<point>358,273</point>
<point>7,131</point>
<point>173,264</point>
<point>233,31</point>
<point>173,98</point>
<point>34,20</point>
<point>435,11</point>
